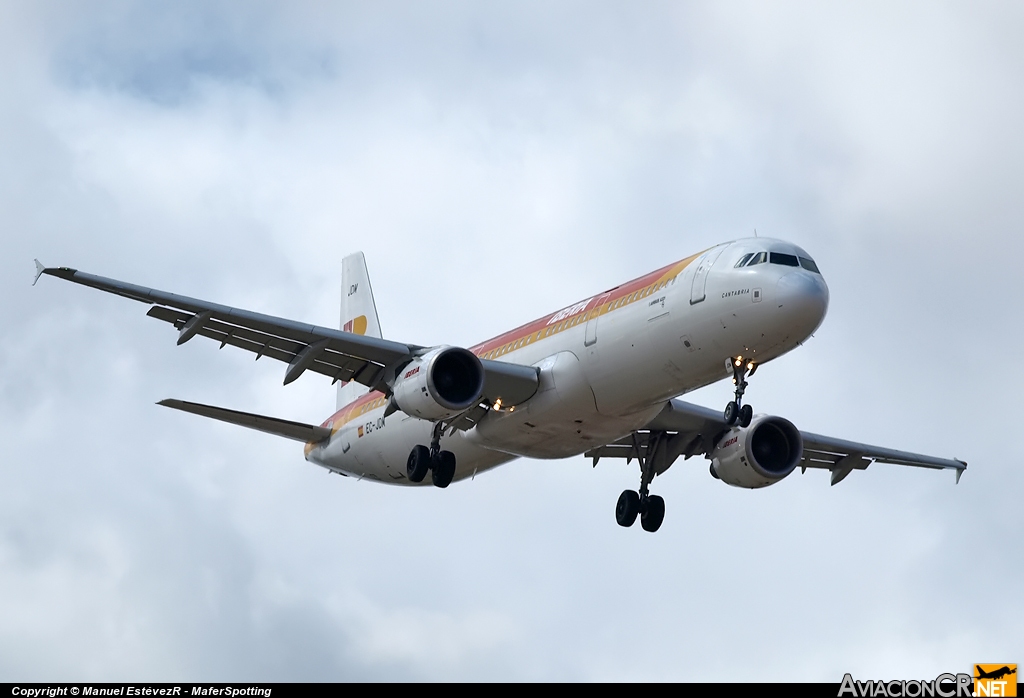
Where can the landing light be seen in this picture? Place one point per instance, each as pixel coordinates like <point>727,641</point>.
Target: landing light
<point>497,404</point>
<point>750,365</point>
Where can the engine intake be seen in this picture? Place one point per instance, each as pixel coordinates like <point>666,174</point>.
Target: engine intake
<point>758,455</point>
<point>440,384</point>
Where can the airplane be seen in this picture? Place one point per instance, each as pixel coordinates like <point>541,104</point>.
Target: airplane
<point>995,674</point>
<point>601,377</point>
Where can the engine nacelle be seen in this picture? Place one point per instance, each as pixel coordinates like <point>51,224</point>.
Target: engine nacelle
<point>758,455</point>
<point>440,384</point>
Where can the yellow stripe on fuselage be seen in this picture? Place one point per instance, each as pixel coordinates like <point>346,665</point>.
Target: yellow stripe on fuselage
<point>543,328</point>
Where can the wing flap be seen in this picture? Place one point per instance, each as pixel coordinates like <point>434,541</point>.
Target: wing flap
<point>269,425</point>
<point>330,363</point>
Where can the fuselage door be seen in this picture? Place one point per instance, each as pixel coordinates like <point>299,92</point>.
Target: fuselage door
<point>700,276</point>
<point>595,312</point>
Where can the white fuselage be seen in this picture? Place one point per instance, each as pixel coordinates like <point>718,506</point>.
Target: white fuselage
<point>609,363</point>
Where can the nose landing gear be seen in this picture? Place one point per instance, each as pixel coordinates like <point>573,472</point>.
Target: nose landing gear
<point>650,507</point>
<point>736,412</point>
<point>441,464</point>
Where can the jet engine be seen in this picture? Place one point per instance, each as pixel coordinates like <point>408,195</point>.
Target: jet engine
<point>439,384</point>
<point>758,455</point>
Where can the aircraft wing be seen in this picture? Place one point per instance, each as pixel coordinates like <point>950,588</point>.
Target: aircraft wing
<point>686,429</point>
<point>341,355</point>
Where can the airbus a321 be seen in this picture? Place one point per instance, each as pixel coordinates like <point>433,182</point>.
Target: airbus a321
<point>599,378</point>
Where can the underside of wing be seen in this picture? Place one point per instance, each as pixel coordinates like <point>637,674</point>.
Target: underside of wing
<point>843,457</point>
<point>685,429</point>
<point>342,356</point>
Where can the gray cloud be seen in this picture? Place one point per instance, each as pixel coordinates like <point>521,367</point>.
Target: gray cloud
<point>495,164</point>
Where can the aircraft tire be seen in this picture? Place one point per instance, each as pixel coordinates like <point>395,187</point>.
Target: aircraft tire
<point>418,464</point>
<point>444,469</point>
<point>654,513</point>
<point>627,508</point>
<point>732,413</point>
<point>746,414</point>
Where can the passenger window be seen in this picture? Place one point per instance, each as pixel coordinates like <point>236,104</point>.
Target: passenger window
<point>809,265</point>
<point>786,260</point>
<point>743,260</point>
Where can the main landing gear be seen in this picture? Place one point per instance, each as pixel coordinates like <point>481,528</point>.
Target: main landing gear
<point>736,412</point>
<point>441,464</point>
<point>650,507</point>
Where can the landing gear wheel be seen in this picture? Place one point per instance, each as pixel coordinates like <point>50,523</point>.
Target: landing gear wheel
<point>653,514</point>
<point>733,411</point>
<point>627,508</point>
<point>746,414</point>
<point>418,464</point>
<point>443,469</point>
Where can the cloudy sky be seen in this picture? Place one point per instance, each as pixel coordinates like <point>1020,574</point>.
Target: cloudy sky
<point>497,161</point>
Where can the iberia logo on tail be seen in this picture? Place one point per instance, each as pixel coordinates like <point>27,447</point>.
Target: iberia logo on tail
<point>357,326</point>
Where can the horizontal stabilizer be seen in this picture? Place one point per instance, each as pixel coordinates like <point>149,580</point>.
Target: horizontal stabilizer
<point>270,425</point>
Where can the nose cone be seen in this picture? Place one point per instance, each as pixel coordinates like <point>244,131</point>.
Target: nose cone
<point>802,299</point>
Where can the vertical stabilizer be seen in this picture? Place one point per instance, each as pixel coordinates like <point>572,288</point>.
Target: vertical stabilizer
<point>358,314</point>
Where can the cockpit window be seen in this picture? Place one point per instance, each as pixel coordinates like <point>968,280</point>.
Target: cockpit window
<point>788,260</point>
<point>744,259</point>
<point>809,265</point>
<point>757,258</point>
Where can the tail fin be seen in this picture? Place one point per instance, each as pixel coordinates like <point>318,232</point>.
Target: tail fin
<point>358,314</point>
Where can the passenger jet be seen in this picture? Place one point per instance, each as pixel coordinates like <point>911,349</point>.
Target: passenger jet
<point>601,378</point>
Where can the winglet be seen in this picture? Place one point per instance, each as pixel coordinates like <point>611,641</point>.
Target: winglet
<point>959,472</point>
<point>39,271</point>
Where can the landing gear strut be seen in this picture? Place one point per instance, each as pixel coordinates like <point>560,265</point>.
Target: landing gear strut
<point>441,464</point>
<point>650,507</point>
<point>736,411</point>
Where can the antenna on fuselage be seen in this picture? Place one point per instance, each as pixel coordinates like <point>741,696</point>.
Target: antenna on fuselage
<point>755,232</point>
